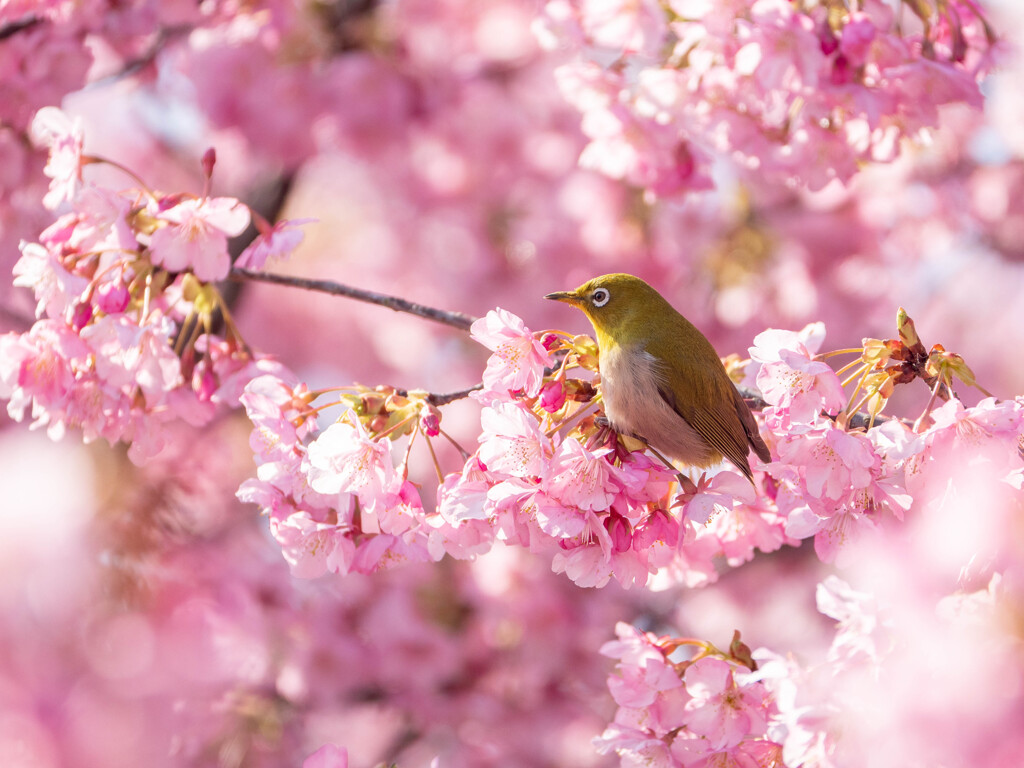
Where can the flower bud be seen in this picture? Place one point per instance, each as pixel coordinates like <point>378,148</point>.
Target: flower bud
<point>552,396</point>
<point>112,298</point>
<point>430,421</point>
<point>81,314</point>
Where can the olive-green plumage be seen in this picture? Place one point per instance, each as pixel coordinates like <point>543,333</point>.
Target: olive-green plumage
<point>661,379</point>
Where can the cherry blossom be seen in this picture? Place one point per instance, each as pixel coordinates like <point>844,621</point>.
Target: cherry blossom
<point>196,236</point>
<point>519,358</point>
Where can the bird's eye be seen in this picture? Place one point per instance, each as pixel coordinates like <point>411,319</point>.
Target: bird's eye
<point>600,297</point>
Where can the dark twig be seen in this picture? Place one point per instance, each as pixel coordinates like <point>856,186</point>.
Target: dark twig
<point>131,66</point>
<point>14,27</point>
<point>453,319</point>
<point>448,397</point>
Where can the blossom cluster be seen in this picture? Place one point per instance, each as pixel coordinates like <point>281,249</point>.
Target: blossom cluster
<point>802,92</point>
<point>548,476</point>
<point>335,499</point>
<point>707,710</point>
<point>127,336</point>
<point>762,708</point>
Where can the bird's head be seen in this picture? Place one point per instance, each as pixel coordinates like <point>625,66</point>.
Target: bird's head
<point>619,306</point>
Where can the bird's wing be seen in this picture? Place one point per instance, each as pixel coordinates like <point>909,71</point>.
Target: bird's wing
<point>708,402</point>
<point>750,427</point>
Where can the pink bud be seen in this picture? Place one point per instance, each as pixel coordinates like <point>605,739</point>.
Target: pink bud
<point>618,529</point>
<point>829,42</point>
<point>550,341</point>
<point>112,298</point>
<point>431,424</point>
<point>204,382</point>
<point>81,315</point>
<point>209,160</point>
<point>842,72</point>
<point>552,396</point>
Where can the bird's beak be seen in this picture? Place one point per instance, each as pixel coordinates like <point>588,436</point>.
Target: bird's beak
<point>567,296</point>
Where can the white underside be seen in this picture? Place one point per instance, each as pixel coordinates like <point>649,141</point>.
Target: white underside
<point>634,406</point>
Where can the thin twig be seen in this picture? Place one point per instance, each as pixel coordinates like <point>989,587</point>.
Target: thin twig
<point>448,397</point>
<point>14,27</point>
<point>453,319</point>
<point>163,36</point>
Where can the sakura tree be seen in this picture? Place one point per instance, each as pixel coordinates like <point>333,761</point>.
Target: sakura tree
<point>300,469</point>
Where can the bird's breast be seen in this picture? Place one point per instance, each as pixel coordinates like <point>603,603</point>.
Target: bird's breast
<point>631,380</point>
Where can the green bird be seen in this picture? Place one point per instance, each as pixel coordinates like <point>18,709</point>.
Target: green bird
<point>661,380</point>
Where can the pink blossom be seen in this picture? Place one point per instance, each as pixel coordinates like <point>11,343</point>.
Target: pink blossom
<point>581,478</point>
<point>311,548</point>
<point>527,502</point>
<point>649,671</point>
<point>635,747</point>
<point>519,358</point>
<point>276,244</point>
<point>716,496</point>
<point>64,137</point>
<point>345,459</point>
<point>790,379</point>
<point>129,355</point>
<point>512,442</point>
<point>627,26</point>
<point>722,708</point>
<point>863,631</point>
<point>328,756</point>
<point>38,369</point>
<point>463,495</point>
<point>195,236</point>
<point>586,566</point>
<point>857,35</point>
<point>55,288</point>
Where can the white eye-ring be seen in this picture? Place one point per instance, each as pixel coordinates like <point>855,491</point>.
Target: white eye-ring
<point>600,297</point>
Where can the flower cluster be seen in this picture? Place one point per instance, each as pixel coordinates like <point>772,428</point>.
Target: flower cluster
<point>797,91</point>
<point>127,338</point>
<point>707,710</point>
<point>550,477</point>
<point>335,499</point>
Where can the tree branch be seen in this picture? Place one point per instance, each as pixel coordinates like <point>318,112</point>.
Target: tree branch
<point>14,27</point>
<point>453,319</point>
<point>449,397</point>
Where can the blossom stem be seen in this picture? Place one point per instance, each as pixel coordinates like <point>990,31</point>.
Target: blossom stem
<point>433,456</point>
<point>848,366</point>
<point>408,451</point>
<point>146,296</point>
<point>124,169</point>
<point>393,427</point>
<point>861,372</point>
<point>453,319</point>
<point>462,451</point>
<point>924,418</point>
<point>186,340</point>
<point>834,352</point>
<point>570,419</point>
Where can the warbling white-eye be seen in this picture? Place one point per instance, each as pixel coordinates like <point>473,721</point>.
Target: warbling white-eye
<point>661,380</point>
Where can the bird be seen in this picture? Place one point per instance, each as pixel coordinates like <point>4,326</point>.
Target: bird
<point>661,379</point>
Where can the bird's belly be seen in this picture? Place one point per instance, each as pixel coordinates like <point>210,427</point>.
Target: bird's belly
<point>634,406</point>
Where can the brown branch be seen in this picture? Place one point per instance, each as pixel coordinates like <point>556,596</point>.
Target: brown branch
<point>453,319</point>
<point>14,27</point>
<point>448,397</point>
